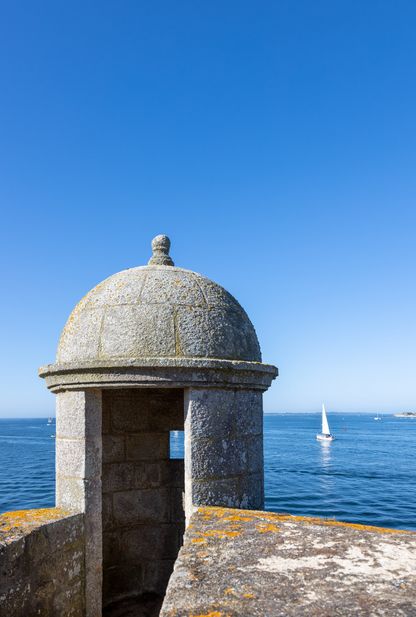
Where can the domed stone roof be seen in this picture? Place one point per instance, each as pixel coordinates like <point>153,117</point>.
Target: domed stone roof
<point>157,311</point>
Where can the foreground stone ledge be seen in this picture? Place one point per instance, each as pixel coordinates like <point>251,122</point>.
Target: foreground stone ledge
<point>260,564</point>
<point>42,563</point>
<point>18,523</point>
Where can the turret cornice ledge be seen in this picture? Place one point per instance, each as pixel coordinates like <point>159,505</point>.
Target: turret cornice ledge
<point>159,372</point>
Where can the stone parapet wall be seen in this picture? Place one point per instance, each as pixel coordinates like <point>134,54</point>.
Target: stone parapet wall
<point>42,563</point>
<point>240,563</point>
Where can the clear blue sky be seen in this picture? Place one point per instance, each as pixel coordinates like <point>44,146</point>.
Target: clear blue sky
<point>275,142</point>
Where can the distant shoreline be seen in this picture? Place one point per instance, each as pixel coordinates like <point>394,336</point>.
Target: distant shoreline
<point>336,413</point>
<point>406,414</point>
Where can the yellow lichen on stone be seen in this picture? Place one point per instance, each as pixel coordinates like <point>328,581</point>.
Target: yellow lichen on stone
<point>220,512</point>
<point>221,533</point>
<point>230,591</point>
<point>28,518</point>
<point>211,614</point>
<point>237,519</point>
<point>232,514</point>
<point>309,520</point>
<point>267,528</point>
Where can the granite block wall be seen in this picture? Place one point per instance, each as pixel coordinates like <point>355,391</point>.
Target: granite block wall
<point>224,448</point>
<point>42,564</point>
<point>78,477</point>
<point>143,516</point>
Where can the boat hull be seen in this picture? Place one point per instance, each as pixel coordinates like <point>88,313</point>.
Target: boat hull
<point>321,437</point>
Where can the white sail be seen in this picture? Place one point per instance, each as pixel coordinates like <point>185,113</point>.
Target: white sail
<point>325,425</point>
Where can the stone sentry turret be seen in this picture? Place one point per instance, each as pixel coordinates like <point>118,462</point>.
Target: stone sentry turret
<point>151,350</point>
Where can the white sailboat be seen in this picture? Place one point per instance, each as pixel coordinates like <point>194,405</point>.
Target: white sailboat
<point>325,435</point>
<point>377,417</point>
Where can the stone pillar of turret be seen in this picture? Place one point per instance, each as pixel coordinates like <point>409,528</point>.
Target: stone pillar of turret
<point>147,353</point>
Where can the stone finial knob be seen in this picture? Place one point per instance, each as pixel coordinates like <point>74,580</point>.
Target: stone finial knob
<point>160,252</point>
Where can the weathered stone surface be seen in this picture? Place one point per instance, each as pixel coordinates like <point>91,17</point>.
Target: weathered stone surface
<point>133,410</point>
<point>128,413</point>
<point>107,511</point>
<point>159,372</point>
<point>42,563</point>
<point>124,476</point>
<point>176,502</point>
<point>121,581</point>
<point>129,329</point>
<point>78,415</point>
<point>70,493</point>
<point>78,478</point>
<point>113,448</point>
<point>160,251</point>
<point>111,548</point>
<point>220,412</point>
<point>253,447</point>
<point>218,458</point>
<point>81,335</point>
<point>236,563</point>
<point>212,412</point>
<point>174,287</point>
<point>248,411</point>
<point>105,417</point>
<point>223,454</point>
<point>173,472</point>
<point>220,332</point>
<point>157,574</point>
<point>147,505</point>
<point>152,542</point>
<point>149,475</point>
<point>78,457</point>
<point>155,311</point>
<point>147,446</point>
<point>118,477</point>
<point>245,491</point>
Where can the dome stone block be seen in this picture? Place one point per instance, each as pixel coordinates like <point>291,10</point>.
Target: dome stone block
<point>157,311</point>
<point>158,325</point>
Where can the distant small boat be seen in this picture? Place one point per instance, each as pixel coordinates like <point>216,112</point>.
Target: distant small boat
<point>49,420</point>
<point>325,435</point>
<point>377,417</point>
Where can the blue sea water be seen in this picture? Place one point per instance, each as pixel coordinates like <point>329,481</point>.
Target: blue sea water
<point>27,464</point>
<point>367,475</point>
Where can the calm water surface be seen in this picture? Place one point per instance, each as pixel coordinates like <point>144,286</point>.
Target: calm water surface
<point>27,464</point>
<point>367,475</point>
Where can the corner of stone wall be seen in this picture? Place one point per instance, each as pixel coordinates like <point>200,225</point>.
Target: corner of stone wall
<point>42,557</point>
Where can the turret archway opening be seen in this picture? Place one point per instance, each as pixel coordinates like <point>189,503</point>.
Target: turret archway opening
<point>142,496</point>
